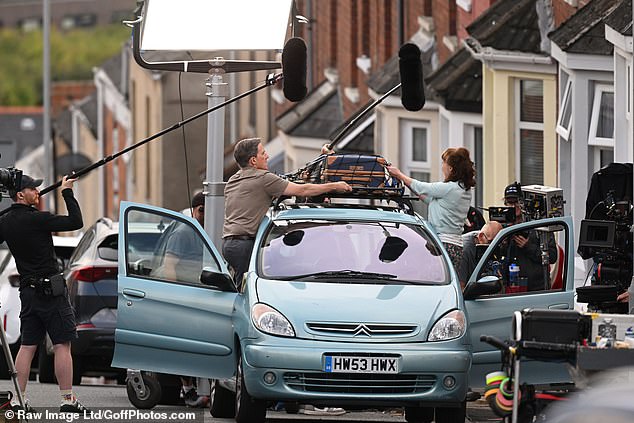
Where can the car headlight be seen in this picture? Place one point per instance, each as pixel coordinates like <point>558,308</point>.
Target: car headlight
<point>271,321</point>
<point>451,325</point>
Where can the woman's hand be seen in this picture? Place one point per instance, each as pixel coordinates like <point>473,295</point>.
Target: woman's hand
<point>326,150</point>
<point>395,172</point>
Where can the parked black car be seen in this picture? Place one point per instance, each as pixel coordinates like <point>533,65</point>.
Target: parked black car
<point>91,277</point>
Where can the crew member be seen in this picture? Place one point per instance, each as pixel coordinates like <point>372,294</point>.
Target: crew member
<point>248,195</point>
<point>525,248</point>
<point>469,259</point>
<point>45,304</point>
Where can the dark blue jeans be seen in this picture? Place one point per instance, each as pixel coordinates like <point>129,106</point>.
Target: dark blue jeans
<point>237,252</point>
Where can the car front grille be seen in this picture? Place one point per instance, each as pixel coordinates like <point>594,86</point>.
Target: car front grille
<point>359,383</point>
<point>370,330</point>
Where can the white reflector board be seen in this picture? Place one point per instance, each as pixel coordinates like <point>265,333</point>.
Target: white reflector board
<point>212,25</point>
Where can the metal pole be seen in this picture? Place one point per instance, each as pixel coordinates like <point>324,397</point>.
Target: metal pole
<point>213,185</point>
<point>46,94</point>
<point>11,366</point>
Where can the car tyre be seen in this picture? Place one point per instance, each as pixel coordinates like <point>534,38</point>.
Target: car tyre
<point>419,414</point>
<point>248,409</point>
<point>451,415</point>
<point>222,402</point>
<point>46,366</point>
<point>152,394</point>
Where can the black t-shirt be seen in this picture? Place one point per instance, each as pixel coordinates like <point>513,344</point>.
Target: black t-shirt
<point>27,232</point>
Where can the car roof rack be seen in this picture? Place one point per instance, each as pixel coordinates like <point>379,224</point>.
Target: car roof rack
<point>403,203</point>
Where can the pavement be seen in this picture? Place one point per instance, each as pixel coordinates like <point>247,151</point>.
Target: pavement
<point>109,402</point>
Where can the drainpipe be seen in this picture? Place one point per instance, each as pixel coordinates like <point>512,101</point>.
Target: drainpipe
<point>401,22</point>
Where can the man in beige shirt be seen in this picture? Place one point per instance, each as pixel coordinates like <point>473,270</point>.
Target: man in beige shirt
<point>248,195</point>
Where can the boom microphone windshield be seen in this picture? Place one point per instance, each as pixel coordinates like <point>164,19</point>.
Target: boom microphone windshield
<point>411,70</point>
<point>294,69</point>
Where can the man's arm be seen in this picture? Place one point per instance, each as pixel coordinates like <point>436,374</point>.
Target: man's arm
<point>71,222</point>
<point>169,266</point>
<point>311,190</point>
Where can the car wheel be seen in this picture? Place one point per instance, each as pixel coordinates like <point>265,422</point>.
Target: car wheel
<point>451,415</point>
<point>419,414</point>
<point>150,397</point>
<point>46,366</point>
<point>248,409</point>
<point>222,402</point>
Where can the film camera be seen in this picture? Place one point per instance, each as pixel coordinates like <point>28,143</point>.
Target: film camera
<point>536,202</point>
<point>10,179</point>
<point>606,237</point>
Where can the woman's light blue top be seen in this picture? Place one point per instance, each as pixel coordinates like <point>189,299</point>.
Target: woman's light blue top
<point>448,205</point>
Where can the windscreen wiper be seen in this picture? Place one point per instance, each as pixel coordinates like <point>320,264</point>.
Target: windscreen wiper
<point>353,274</point>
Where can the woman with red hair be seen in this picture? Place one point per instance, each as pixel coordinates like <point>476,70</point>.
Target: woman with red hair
<point>448,201</point>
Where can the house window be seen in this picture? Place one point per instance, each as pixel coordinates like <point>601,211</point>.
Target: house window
<point>529,152</point>
<point>565,112</point>
<point>602,118</point>
<point>416,146</point>
<point>415,151</point>
<point>601,157</point>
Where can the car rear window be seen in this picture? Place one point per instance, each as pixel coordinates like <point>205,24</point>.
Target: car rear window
<point>405,252</point>
<point>142,244</point>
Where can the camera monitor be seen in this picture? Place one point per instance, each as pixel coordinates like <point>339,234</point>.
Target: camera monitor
<point>597,233</point>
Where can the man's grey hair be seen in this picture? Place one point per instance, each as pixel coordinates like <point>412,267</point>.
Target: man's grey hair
<point>245,149</point>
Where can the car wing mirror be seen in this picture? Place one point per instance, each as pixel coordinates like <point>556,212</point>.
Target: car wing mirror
<point>220,280</point>
<point>487,285</point>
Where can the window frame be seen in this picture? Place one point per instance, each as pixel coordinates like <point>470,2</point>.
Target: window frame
<point>407,138</point>
<point>566,101</point>
<point>593,139</point>
<point>408,164</point>
<point>476,148</point>
<point>596,157</point>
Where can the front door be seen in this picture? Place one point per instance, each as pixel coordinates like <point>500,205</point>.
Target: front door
<point>543,251</point>
<point>168,321</point>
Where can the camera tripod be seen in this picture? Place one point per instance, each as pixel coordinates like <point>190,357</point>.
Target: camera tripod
<point>11,366</point>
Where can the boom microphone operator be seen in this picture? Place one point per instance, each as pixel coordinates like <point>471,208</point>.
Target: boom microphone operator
<point>411,70</point>
<point>294,69</point>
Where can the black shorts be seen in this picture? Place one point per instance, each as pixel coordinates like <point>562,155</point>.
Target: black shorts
<point>41,314</point>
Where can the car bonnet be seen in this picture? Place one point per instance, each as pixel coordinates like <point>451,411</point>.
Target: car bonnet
<point>305,303</point>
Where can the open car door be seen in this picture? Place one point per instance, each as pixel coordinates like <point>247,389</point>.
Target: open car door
<point>170,321</point>
<point>546,281</point>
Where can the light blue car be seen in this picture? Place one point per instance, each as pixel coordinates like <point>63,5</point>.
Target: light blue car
<point>342,305</point>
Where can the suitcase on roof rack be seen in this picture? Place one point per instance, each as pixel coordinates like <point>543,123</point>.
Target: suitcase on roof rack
<point>365,172</point>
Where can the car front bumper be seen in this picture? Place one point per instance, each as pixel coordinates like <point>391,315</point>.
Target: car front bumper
<point>424,369</point>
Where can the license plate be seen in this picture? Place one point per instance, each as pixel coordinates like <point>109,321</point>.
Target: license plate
<point>355,364</point>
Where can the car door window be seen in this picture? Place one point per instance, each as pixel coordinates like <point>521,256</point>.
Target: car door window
<point>166,248</point>
<point>528,259</point>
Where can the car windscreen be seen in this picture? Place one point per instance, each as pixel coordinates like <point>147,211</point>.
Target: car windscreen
<point>321,250</point>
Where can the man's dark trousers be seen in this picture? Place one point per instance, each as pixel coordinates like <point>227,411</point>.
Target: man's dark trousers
<point>237,252</point>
